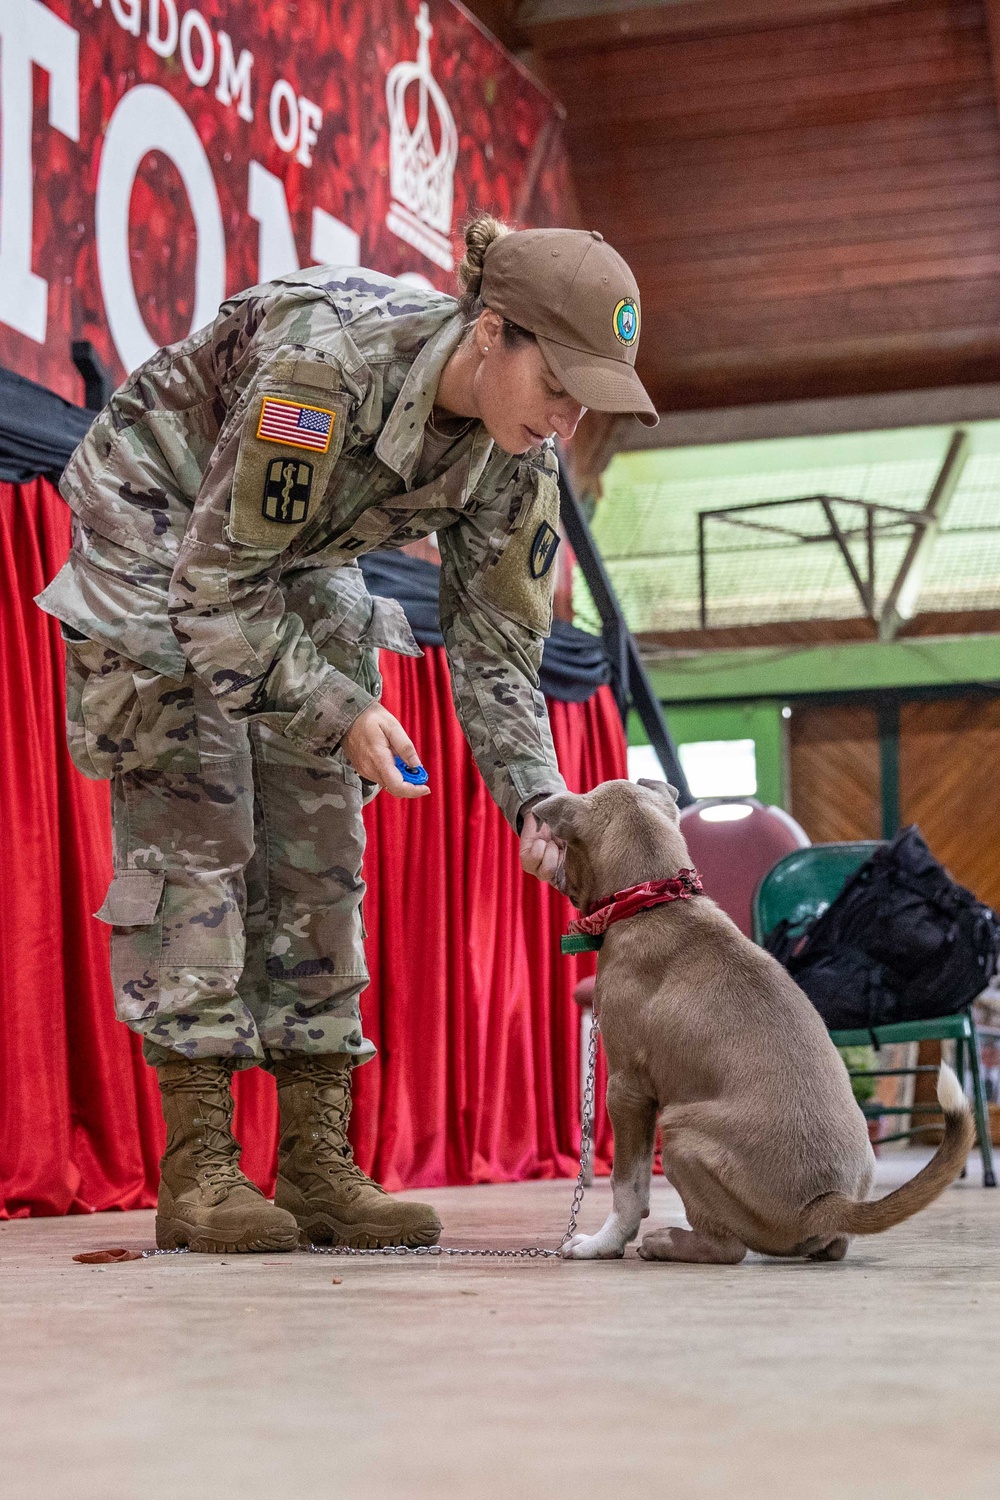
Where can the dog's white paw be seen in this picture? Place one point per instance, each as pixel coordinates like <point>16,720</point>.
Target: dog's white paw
<point>592,1247</point>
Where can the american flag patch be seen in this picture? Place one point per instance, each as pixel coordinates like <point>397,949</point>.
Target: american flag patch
<point>296,426</point>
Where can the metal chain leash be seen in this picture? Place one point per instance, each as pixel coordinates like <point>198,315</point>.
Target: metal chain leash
<point>529,1252</point>
<point>586,1134</point>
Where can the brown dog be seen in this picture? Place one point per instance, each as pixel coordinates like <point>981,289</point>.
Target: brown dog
<point>708,1034</point>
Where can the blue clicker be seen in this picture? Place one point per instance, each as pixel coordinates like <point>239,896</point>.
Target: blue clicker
<point>415,775</point>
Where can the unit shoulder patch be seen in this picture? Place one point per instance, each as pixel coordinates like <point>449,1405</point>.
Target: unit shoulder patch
<point>287,490</point>
<point>544,547</point>
<point>276,493</point>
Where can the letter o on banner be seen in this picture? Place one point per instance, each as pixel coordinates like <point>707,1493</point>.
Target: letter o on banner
<point>149,119</point>
<point>283,95</point>
<point>199,73</point>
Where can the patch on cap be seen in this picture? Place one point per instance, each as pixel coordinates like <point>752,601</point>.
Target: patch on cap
<point>626,321</point>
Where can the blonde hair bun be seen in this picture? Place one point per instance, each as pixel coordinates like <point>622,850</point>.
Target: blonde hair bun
<point>480,233</point>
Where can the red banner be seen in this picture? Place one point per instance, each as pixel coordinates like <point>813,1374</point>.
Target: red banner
<point>156,157</point>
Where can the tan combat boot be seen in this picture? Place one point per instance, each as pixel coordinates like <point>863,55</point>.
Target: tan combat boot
<point>318,1181</point>
<point>205,1202</point>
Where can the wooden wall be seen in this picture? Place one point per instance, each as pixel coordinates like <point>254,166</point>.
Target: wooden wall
<point>834,773</point>
<point>949,780</point>
<point>810,199</point>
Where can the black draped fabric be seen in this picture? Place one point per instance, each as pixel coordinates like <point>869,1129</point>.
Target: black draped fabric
<point>574,664</point>
<point>38,429</point>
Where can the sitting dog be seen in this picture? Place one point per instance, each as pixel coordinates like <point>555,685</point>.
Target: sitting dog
<point>707,1034</point>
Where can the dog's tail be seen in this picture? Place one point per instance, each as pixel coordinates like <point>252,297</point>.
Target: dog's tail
<point>836,1214</point>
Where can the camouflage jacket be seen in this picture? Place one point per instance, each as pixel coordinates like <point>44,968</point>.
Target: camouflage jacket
<point>248,467</point>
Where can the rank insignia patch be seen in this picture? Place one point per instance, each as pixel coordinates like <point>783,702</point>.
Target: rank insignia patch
<point>543,550</point>
<point>294,425</point>
<point>287,487</point>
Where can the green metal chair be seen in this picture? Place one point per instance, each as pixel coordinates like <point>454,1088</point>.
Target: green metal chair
<point>802,885</point>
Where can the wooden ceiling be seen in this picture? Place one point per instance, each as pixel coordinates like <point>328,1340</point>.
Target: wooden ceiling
<point>807,190</point>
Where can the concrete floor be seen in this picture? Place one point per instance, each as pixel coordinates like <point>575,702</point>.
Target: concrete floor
<point>195,1377</point>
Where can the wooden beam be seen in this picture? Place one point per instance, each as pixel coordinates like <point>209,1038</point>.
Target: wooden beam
<point>760,368</point>
<point>740,424</point>
<point>794,634</point>
<point>685,18</point>
<point>901,601</point>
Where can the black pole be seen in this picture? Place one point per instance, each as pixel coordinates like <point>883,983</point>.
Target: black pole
<point>96,382</point>
<point>629,681</point>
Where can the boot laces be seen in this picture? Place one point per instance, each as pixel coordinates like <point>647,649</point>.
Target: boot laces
<point>333,1149</point>
<point>214,1150</point>
<point>215,1153</point>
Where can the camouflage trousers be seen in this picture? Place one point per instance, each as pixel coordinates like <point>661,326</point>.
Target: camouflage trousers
<point>235,905</point>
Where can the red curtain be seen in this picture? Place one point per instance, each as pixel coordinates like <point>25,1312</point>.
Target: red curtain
<point>477,1077</point>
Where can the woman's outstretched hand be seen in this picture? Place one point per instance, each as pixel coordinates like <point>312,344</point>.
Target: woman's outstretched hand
<point>541,852</point>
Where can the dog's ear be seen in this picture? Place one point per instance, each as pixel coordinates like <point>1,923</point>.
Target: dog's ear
<point>667,793</point>
<point>564,813</point>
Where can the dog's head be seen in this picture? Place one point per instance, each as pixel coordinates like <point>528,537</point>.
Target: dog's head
<point>620,834</point>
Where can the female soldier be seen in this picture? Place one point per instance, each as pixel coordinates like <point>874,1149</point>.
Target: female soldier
<point>222,668</point>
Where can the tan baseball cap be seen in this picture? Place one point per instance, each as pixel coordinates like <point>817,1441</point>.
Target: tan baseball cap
<point>580,300</point>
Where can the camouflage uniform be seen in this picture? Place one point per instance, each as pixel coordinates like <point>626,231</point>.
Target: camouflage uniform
<point>220,642</point>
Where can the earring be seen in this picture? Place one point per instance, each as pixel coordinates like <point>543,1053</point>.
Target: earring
<point>486,348</point>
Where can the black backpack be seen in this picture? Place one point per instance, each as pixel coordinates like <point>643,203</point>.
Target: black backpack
<point>902,942</point>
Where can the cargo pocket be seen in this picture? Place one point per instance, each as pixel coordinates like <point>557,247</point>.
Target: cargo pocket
<point>123,716</point>
<point>102,710</point>
<point>133,909</point>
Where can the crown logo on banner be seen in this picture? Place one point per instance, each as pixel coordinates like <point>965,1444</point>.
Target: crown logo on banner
<point>421,176</point>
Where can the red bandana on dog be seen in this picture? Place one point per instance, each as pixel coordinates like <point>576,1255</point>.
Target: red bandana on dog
<point>622,904</point>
